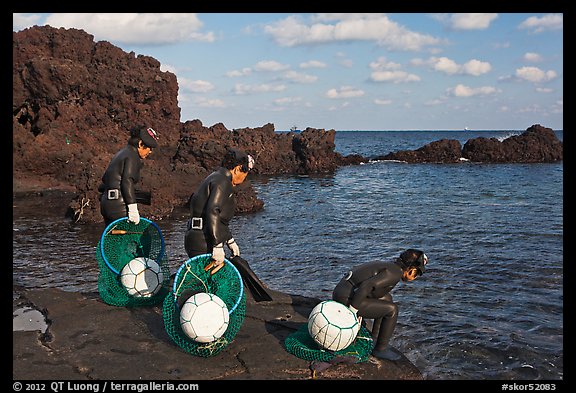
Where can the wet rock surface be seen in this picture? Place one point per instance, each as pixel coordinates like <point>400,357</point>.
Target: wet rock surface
<point>87,339</point>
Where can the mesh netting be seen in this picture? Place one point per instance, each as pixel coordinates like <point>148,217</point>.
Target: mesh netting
<point>121,242</point>
<point>302,345</point>
<point>190,279</point>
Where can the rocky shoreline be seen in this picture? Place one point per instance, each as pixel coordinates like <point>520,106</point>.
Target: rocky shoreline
<point>62,335</point>
<point>83,338</point>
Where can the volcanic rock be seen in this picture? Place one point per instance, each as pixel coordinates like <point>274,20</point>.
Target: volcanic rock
<point>444,151</point>
<point>74,101</point>
<point>536,144</point>
<point>85,339</point>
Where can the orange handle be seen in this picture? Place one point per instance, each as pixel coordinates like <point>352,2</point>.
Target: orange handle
<point>123,232</point>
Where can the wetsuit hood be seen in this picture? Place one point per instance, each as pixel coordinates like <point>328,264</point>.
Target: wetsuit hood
<point>412,257</point>
<point>149,137</point>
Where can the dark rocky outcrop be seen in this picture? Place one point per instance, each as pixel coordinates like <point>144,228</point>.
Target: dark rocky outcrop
<point>536,144</point>
<point>444,150</point>
<point>74,101</point>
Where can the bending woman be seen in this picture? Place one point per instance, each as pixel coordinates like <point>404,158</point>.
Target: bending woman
<point>366,291</point>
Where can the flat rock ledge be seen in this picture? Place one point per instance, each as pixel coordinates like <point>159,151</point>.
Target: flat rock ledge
<point>83,338</point>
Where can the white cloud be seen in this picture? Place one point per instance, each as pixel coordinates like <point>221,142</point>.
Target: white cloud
<point>502,45</point>
<point>471,21</point>
<point>505,78</point>
<point>167,67</point>
<point>545,23</point>
<point>299,77</point>
<point>476,67</point>
<point>466,91</point>
<point>313,64</point>
<point>388,71</point>
<point>209,103</point>
<point>325,28</point>
<point>344,92</point>
<point>270,65</point>
<point>434,102</point>
<point>393,76</point>
<point>535,74</point>
<point>417,61</point>
<point>444,64</point>
<point>533,108</point>
<point>135,28</point>
<point>532,57</point>
<point>382,64</point>
<point>243,89</point>
<point>331,17</point>
<point>448,66</point>
<point>343,60</point>
<point>557,110</point>
<point>236,73</point>
<point>22,21</point>
<point>347,63</point>
<point>558,107</point>
<point>378,101</point>
<point>287,101</point>
<point>197,86</point>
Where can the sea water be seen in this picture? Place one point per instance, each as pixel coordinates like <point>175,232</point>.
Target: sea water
<point>490,305</point>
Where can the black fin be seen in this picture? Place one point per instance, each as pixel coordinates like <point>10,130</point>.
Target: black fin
<point>251,281</point>
<point>144,197</point>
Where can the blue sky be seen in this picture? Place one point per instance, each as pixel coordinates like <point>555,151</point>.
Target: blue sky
<point>399,71</point>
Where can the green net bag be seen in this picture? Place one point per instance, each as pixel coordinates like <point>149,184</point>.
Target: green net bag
<point>302,345</point>
<point>133,265</point>
<point>191,279</point>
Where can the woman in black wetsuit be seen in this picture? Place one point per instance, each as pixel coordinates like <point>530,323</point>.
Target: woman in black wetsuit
<point>212,207</point>
<point>366,291</point>
<point>118,198</point>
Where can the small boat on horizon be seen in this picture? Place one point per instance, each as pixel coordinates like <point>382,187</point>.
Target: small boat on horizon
<point>294,129</point>
<point>466,129</point>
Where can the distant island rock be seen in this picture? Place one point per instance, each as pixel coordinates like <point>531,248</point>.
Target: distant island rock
<point>536,144</point>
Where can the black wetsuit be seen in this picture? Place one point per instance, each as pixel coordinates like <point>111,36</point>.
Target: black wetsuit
<point>212,207</point>
<point>367,288</point>
<point>122,174</point>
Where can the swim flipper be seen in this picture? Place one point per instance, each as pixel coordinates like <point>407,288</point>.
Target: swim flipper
<point>251,281</point>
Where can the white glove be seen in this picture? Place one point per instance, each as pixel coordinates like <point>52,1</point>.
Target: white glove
<point>218,254</point>
<point>133,214</point>
<point>233,246</point>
